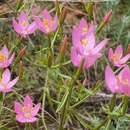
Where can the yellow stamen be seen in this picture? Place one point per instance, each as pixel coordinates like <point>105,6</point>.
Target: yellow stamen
<point>46,24</point>
<point>24,23</point>
<point>84,41</point>
<point>27,112</point>
<point>2,57</point>
<point>116,57</point>
<point>84,29</point>
<point>27,115</point>
<point>123,81</point>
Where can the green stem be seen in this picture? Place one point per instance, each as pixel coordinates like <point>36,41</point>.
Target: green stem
<point>50,54</point>
<point>107,121</point>
<point>125,104</point>
<point>108,124</point>
<point>43,101</point>
<point>67,102</point>
<point>101,26</point>
<point>2,101</point>
<point>113,102</point>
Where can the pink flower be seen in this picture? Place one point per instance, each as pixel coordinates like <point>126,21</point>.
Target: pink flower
<point>26,112</point>
<point>47,24</point>
<point>118,83</point>
<point>22,26</point>
<point>117,56</point>
<point>5,83</point>
<point>83,39</point>
<point>5,57</point>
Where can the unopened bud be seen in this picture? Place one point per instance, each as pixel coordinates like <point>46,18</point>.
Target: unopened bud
<point>107,16</point>
<point>105,21</point>
<point>63,45</point>
<point>22,52</point>
<point>63,48</point>
<point>63,15</point>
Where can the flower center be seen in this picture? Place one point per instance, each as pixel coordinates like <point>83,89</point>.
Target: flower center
<point>116,57</point>
<point>4,86</point>
<point>27,112</point>
<point>85,29</point>
<point>24,23</point>
<point>46,24</point>
<point>2,57</point>
<point>123,81</point>
<point>84,41</point>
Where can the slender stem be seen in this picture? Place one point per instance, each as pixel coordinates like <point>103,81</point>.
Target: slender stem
<point>67,102</point>
<point>50,53</point>
<point>108,124</point>
<point>125,104</point>
<point>2,102</point>
<point>107,121</point>
<point>113,102</point>
<point>43,100</point>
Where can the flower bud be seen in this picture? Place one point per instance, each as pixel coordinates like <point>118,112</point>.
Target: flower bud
<point>63,48</point>
<point>22,52</point>
<point>107,16</point>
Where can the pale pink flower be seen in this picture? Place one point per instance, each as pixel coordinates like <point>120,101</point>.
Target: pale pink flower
<point>118,83</point>
<point>46,23</point>
<point>84,44</point>
<point>5,57</point>
<point>5,83</point>
<point>22,25</point>
<point>26,112</point>
<point>117,57</point>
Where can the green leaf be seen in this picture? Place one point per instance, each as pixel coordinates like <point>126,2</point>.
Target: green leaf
<point>63,101</point>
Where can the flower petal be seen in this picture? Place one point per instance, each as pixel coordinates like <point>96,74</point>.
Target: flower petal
<point>36,109</point>
<point>119,51</point>
<point>110,80</point>
<point>91,59</point>
<point>75,57</point>
<point>40,25</point>
<point>46,14</point>
<point>110,54</point>
<point>5,51</point>
<point>12,83</point>
<point>4,64</point>
<point>124,59</point>
<point>31,28</point>
<point>11,58</point>
<point>125,73</point>
<point>90,37</point>
<point>83,24</point>
<point>17,27</point>
<point>55,23</point>
<point>28,101</point>
<point>100,46</point>
<point>18,107</point>
<point>20,118</point>
<point>23,18</point>
<point>4,88</point>
<point>6,76</point>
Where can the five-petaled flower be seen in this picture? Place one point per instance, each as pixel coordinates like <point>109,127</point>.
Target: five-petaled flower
<point>47,23</point>
<point>26,112</point>
<point>117,57</point>
<point>83,39</point>
<point>119,83</point>
<point>5,83</point>
<point>5,57</point>
<point>22,25</point>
